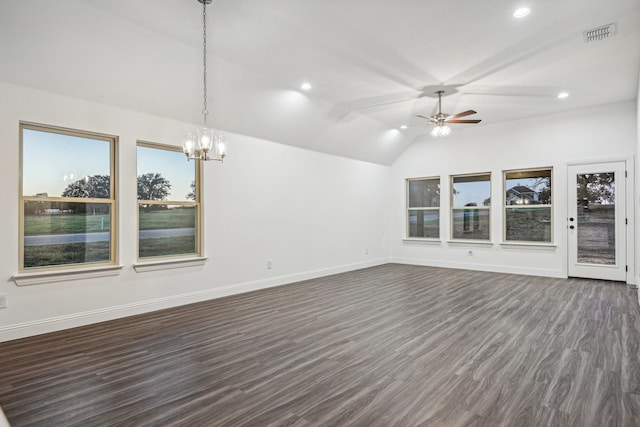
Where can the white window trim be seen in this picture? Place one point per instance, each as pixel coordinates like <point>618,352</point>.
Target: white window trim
<point>532,245</point>
<point>452,208</point>
<point>165,262</point>
<point>59,270</point>
<point>27,279</point>
<point>425,240</point>
<point>168,264</point>
<point>408,209</point>
<point>523,243</point>
<point>467,242</point>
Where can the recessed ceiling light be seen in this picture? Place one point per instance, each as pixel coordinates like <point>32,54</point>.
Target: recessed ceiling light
<point>403,127</point>
<point>563,95</point>
<point>521,12</point>
<point>305,86</point>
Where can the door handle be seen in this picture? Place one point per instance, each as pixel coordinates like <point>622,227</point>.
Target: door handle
<point>571,219</point>
<point>571,227</point>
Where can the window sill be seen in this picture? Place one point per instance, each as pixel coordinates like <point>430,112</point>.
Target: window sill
<point>531,245</point>
<point>461,242</point>
<point>27,279</point>
<point>169,264</point>
<point>425,240</point>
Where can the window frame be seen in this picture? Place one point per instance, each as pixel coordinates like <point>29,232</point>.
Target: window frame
<point>453,207</point>
<point>409,208</point>
<point>531,206</point>
<point>112,201</point>
<point>197,203</point>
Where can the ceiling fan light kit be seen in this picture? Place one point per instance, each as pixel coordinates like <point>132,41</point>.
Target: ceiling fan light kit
<point>442,120</point>
<point>439,131</point>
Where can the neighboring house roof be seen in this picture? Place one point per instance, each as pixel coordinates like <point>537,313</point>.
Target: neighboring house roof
<point>521,189</point>
<point>519,193</point>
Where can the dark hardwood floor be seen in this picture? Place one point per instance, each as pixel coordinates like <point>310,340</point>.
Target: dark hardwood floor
<point>384,346</point>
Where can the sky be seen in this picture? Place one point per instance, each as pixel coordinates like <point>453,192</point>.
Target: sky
<point>471,192</point>
<point>477,192</point>
<point>173,165</point>
<point>52,161</point>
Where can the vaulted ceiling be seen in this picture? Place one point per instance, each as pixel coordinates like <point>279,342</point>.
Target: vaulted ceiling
<point>373,65</point>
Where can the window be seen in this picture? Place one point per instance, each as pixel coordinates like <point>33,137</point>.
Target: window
<point>471,206</point>
<point>168,202</point>
<point>527,205</point>
<point>423,210</point>
<point>67,198</point>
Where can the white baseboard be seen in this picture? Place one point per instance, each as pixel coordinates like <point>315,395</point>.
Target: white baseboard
<point>481,267</point>
<point>3,420</point>
<point>52,324</point>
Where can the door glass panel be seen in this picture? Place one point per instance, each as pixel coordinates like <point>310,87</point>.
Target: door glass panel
<point>596,218</point>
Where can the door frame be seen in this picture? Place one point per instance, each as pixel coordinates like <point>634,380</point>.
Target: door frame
<point>629,210</point>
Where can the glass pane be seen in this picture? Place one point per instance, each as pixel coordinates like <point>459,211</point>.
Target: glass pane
<point>165,175</point>
<point>424,193</point>
<point>166,230</point>
<point>50,166</point>
<point>424,223</point>
<point>528,224</point>
<point>596,218</point>
<point>471,224</point>
<point>62,233</point>
<point>528,187</point>
<point>471,191</point>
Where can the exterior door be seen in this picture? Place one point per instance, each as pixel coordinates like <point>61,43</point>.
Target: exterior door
<point>597,221</point>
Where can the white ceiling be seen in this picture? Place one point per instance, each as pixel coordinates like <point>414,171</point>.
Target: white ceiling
<point>373,65</point>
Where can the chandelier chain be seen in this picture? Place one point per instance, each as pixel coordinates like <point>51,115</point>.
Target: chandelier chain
<point>205,112</point>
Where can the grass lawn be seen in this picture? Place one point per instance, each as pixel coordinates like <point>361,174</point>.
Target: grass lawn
<point>78,253</point>
<point>170,218</point>
<point>37,225</point>
<point>64,254</point>
<point>163,246</point>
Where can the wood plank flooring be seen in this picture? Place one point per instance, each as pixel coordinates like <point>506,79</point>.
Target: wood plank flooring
<point>393,345</point>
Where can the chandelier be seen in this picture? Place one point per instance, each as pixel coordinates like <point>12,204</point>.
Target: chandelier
<point>204,143</point>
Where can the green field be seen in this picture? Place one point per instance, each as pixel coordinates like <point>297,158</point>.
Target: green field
<point>170,218</point>
<point>64,254</point>
<point>78,253</point>
<point>165,246</point>
<point>38,225</point>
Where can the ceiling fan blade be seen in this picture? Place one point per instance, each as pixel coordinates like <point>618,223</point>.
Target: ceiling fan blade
<point>423,117</point>
<point>463,114</point>
<point>464,121</point>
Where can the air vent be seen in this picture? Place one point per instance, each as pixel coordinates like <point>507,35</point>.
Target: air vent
<point>599,33</point>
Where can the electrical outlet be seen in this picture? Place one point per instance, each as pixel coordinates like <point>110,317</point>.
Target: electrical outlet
<point>3,301</point>
<point>366,251</point>
<point>269,265</point>
<point>470,253</point>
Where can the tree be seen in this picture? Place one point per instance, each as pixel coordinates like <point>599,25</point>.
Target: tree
<point>153,186</point>
<point>597,188</point>
<point>192,193</point>
<point>95,187</point>
<point>544,193</point>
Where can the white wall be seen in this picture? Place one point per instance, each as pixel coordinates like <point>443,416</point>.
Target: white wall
<point>605,132</point>
<point>637,196</point>
<point>312,214</point>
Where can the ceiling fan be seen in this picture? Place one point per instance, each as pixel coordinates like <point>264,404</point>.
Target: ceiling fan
<point>441,120</point>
